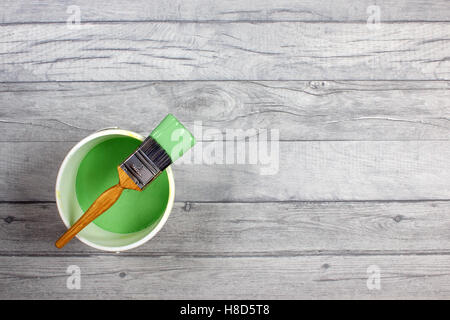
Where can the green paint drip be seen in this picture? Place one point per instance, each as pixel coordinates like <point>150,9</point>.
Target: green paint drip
<point>135,210</point>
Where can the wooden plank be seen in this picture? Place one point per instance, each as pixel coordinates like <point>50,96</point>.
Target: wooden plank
<point>304,277</point>
<point>253,229</point>
<point>303,171</point>
<point>224,51</point>
<point>14,11</point>
<point>300,110</point>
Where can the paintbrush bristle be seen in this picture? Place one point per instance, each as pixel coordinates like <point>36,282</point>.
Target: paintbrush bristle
<point>146,163</point>
<point>155,153</point>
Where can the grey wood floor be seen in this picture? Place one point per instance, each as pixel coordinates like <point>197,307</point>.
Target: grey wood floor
<point>363,115</point>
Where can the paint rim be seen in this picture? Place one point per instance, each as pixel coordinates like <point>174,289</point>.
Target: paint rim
<point>162,221</point>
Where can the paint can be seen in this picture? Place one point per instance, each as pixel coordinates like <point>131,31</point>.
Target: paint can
<point>69,208</point>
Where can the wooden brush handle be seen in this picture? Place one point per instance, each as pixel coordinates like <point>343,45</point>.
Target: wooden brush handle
<point>103,203</point>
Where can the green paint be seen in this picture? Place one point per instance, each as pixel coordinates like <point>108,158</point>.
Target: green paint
<point>135,210</point>
<point>173,137</point>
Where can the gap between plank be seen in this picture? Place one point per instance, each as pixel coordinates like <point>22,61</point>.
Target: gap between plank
<point>30,202</point>
<point>232,255</point>
<point>228,80</point>
<point>221,21</point>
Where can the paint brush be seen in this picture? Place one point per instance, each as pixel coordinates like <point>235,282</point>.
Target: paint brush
<point>169,141</point>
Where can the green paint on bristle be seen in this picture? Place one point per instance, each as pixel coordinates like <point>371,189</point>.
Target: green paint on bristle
<point>173,137</point>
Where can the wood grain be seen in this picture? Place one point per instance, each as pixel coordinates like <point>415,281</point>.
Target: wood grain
<point>300,110</point>
<point>224,51</point>
<point>15,11</point>
<point>268,229</point>
<point>308,277</point>
<point>363,117</point>
<point>308,171</point>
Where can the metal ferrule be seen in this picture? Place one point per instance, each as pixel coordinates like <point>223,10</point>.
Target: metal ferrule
<point>146,163</point>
